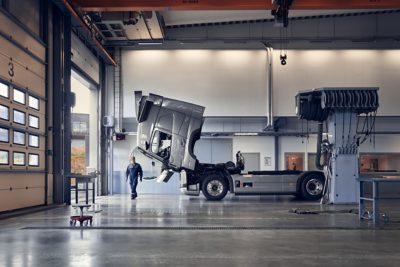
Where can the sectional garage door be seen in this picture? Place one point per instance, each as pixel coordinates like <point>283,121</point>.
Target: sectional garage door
<point>22,117</point>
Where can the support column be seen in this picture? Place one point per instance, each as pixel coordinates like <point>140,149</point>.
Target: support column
<point>61,104</point>
<point>276,150</point>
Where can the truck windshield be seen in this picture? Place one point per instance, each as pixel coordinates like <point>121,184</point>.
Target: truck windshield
<point>161,144</point>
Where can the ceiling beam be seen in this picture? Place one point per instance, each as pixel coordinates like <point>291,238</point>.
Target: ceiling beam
<point>84,30</point>
<point>161,5</point>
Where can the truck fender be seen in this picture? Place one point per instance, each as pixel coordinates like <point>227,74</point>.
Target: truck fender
<point>230,181</point>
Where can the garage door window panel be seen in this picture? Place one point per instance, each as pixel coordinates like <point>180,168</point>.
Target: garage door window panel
<point>33,140</point>
<point>33,121</point>
<point>19,96</point>
<point>4,90</point>
<point>18,138</point>
<point>18,159</point>
<point>4,157</point>
<point>4,113</point>
<point>33,102</point>
<point>4,135</point>
<point>19,117</point>
<point>33,160</point>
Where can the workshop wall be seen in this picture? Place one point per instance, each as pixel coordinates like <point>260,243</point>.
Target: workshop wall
<point>253,144</point>
<point>307,69</point>
<point>226,82</point>
<point>233,82</point>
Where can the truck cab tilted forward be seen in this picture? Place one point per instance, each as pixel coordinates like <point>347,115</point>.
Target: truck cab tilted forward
<point>167,132</point>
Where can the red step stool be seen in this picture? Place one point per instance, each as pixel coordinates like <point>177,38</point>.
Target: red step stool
<point>82,219</point>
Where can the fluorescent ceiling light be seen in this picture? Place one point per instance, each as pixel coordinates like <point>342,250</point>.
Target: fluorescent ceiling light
<point>245,134</point>
<point>150,43</point>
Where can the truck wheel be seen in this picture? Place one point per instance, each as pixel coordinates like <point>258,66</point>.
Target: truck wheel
<point>312,186</point>
<point>214,187</point>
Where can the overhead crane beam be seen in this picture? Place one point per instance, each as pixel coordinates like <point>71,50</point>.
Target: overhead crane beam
<point>160,5</point>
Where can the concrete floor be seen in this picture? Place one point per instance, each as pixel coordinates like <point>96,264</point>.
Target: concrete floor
<point>158,230</point>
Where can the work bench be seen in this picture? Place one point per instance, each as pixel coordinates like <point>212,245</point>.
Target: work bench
<point>376,196</point>
<point>86,180</point>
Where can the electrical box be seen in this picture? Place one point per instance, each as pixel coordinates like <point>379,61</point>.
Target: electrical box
<point>119,137</point>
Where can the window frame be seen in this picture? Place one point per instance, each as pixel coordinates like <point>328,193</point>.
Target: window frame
<point>167,150</point>
<point>38,159</point>
<point>8,135</point>
<point>8,113</point>
<point>24,93</point>
<point>13,162</point>
<point>29,121</point>
<point>38,138</point>
<point>16,131</point>
<point>22,113</point>
<point>8,90</point>
<point>29,105</point>
<point>8,157</point>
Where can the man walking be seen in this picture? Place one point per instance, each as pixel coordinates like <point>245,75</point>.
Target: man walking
<point>133,172</point>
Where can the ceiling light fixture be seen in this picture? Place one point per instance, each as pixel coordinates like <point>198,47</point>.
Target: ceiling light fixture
<point>245,134</point>
<point>150,43</point>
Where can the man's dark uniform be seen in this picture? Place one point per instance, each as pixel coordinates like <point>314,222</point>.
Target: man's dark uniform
<point>133,172</point>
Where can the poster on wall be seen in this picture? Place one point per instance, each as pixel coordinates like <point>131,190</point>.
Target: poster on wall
<point>267,161</point>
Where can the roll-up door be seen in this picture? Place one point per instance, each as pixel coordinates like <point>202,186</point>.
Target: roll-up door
<point>84,60</point>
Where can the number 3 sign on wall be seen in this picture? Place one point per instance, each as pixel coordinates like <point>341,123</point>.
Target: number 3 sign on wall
<point>11,69</point>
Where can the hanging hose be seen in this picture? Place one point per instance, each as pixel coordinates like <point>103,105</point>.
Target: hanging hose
<point>319,142</point>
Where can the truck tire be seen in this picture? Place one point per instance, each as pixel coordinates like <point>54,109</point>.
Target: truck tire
<point>312,186</point>
<point>214,187</point>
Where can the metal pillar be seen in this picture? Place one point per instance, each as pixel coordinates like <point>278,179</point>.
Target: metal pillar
<point>102,186</point>
<point>276,150</point>
<point>342,135</point>
<point>61,104</point>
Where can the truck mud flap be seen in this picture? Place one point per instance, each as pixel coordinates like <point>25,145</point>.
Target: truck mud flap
<point>164,176</point>
<point>191,190</point>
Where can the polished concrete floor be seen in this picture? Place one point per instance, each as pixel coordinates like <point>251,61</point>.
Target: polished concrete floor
<point>156,230</point>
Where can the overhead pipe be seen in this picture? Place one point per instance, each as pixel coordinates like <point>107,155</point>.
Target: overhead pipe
<point>270,116</point>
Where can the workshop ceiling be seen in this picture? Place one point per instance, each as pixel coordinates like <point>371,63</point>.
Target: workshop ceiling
<point>162,5</point>
<point>210,16</point>
<point>132,22</point>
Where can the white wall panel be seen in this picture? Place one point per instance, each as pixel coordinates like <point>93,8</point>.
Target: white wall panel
<point>233,82</point>
<point>227,83</point>
<point>307,69</point>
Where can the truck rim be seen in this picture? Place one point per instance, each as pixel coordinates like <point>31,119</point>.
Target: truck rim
<point>215,188</point>
<point>314,187</point>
